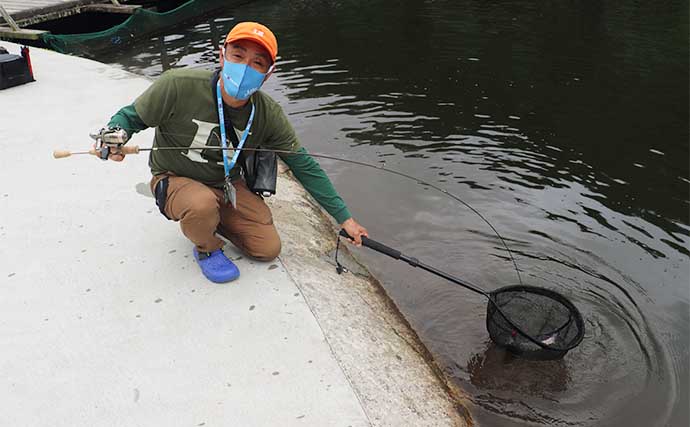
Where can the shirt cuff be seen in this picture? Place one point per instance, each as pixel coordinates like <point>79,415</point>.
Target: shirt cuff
<point>342,215</point>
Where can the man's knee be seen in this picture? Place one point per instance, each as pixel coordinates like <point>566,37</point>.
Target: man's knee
<point>263,249</point>
<point>203,209</point>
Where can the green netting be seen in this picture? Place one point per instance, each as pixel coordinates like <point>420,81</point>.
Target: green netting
<point>142,22</point>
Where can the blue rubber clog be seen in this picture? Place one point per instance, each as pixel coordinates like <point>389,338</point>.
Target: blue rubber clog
<point>216,266</point>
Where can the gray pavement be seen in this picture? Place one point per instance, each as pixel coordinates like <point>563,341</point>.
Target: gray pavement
<point>106,320</point>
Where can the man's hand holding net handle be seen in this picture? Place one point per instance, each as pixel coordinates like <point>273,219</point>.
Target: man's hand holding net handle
<point>373,244</point>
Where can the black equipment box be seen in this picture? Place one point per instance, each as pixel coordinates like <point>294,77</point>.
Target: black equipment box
<point>15,70</point>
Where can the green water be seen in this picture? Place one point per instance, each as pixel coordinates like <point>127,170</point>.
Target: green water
<point>565,124</point>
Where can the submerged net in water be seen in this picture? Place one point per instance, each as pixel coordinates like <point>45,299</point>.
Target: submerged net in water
<point>533,322</point>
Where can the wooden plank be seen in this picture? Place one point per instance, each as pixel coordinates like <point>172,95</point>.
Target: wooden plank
<point>59,9</point>
<point>32,11</point>
<point>110,8</point>
<point>29,12</point>
<point>24,34</point>
<point>14,7</point>
<point>8,19</point>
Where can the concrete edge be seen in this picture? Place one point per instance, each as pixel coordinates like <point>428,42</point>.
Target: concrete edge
<point>409,335</point>
<point>419,393</point>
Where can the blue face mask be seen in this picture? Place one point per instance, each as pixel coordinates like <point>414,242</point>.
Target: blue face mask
<point>240,80</point>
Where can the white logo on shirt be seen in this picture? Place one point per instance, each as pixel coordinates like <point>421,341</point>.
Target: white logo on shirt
<point>202,136</point>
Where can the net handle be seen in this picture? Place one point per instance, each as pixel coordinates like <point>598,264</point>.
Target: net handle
<point>414,262</point>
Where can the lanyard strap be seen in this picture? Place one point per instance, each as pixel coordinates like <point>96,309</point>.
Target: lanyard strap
<point>223,139</point>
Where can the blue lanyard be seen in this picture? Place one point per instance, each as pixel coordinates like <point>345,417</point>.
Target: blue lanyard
<point>223,139</point>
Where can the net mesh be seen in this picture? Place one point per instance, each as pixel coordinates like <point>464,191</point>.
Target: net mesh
<point>549,319</point>
<point>142,22</point>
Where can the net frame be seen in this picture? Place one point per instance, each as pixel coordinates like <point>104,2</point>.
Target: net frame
<point>518,341</point>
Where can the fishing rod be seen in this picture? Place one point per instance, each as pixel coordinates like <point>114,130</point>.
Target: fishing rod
<point>135,149</point>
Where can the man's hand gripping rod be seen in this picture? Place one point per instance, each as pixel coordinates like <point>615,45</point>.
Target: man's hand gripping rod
<point>108,141</point>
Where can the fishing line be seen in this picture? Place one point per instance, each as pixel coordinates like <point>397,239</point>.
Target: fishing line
<point>531,322</point>
<point>136,149</point>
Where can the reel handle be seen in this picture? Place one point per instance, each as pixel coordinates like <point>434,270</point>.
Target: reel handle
<point>373,244</point>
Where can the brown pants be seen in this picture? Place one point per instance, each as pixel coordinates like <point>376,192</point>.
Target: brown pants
<point>201,212</point>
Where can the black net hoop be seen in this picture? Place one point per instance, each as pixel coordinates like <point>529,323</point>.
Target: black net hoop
<point>533,322</point>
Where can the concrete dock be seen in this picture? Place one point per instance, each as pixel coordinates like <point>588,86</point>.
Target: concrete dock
<point>106,320</point>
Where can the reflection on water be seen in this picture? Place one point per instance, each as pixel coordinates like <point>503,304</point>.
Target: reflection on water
<point>566,124</point>
<point>497,369</point>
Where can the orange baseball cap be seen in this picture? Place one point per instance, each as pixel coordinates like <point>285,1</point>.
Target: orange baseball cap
<point>255,32</point>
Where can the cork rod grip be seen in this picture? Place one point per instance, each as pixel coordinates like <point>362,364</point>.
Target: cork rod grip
<point>61,154</point>
<point>130,149</point>
<point>127,149</point>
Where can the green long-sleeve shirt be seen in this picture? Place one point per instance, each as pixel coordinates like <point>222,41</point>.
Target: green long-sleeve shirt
<point>182,106</point>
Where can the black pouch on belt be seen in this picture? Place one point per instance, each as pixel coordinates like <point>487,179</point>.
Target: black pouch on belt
<point>260,171</point>
<point>161,194</point>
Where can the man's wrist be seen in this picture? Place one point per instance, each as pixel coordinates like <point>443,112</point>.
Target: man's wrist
<point>342,215</point>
